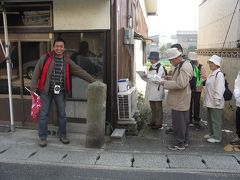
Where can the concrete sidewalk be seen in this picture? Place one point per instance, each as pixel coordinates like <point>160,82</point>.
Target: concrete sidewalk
<point>147,151</point>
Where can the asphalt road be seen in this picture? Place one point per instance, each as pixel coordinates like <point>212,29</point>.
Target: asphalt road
<point>12,171</point>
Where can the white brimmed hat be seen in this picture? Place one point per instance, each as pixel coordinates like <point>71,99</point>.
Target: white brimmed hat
<point>192,56</point>
<point>172,53</point>
<point>216,60</point>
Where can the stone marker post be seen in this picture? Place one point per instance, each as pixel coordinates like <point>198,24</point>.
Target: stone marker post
<point>96,114</point>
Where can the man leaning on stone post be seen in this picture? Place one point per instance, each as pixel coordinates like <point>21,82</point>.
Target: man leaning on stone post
<point>51,77</point>
<point>179,96</point>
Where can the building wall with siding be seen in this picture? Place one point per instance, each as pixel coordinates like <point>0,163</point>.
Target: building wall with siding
<point>214,20</point>
<point>126,52</point>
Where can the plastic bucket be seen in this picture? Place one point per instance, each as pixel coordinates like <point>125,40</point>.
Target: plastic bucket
<point>122,85</point>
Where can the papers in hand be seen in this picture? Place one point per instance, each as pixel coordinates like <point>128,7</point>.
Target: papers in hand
<point>156,79</point>
<point>141,73</point>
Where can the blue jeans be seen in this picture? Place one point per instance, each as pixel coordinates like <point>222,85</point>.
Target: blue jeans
<point>60,102</point>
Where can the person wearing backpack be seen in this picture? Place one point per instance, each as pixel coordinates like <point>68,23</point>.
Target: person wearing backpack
<point>179,96</point>
<point>154,91</point>
<point>180,49</point>
<point>199,77</point>
<point>236,94</point>
<point>214,100</point>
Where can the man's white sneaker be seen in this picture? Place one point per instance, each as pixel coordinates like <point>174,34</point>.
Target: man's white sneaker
<point>212,140</point>
<point>207,136</point>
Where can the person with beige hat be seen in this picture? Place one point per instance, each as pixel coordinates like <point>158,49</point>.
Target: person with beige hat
<point>200,76</point>
<point>179,96</point>
<point>214,101</point>
<point>180,49</point>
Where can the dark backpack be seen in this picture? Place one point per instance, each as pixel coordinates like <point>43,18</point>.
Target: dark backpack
<point>192,81</point>
<point>227,95</point>
<point>165,70</point>
<point>157,68</point>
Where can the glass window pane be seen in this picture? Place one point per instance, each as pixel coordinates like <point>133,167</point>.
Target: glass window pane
<point>15,71</point>
<point>86,50</point>
<point>27,15</point>
<point>31,52</point>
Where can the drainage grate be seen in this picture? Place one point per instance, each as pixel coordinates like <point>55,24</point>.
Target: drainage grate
<point>3,151</point>
<point>98,157</point>
<point>64,156</point>
<point>132,161</point>
<point>238,160</point>
<point>32,154</point>
<point>168,161</point>
<point>204,162</point>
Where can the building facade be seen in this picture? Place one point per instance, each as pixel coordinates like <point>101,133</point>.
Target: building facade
<point>219,33</point>
<point>188,40</point>
<point>111,28</point>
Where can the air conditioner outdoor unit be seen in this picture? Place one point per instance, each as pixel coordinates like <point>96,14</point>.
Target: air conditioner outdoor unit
<point>127,104</point>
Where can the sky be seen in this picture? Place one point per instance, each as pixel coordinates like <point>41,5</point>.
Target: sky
<point>174,15</point>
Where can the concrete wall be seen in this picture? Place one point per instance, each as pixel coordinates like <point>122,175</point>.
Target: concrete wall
<point>139,66</point>
<point>81,14</point>
<point>214,20</point>
<point>231,67</point>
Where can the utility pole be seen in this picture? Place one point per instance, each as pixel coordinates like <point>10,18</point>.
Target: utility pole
<point>9,64</point>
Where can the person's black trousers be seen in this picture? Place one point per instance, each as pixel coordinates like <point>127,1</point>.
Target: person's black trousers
<point>195,108</point>
<point>238,122</point>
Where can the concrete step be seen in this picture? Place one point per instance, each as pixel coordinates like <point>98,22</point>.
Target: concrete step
<point>118,136</point>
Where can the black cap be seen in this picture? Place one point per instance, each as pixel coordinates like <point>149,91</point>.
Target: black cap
<point>178,46</point>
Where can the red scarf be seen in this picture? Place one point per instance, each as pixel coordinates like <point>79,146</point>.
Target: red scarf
<point>47,62</point>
